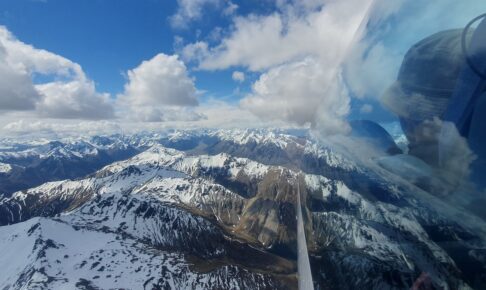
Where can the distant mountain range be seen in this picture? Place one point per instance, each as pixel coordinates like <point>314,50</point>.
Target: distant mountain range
<point>216,209</point>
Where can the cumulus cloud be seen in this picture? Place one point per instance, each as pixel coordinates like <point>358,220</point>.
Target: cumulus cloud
<point>16,89</point>
<point>299,50</point>
<point>160,89</point>
<point>27,59</point>
<point>333,109</point>
<point>238,76</point>
<point>76,99</point>
<point>296,92</point>
<point>162,80</point>
<point>70,95</point>
<point>263,41</point>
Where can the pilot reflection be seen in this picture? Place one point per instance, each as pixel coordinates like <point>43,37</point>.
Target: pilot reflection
<point>440,100</point>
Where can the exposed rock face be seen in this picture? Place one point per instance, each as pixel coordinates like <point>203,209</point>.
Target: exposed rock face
<point>270,215</point>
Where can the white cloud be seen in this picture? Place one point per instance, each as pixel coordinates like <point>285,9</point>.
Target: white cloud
<point>216,34</point>
<point>56,129</point>
<point>234,117</point>
<point>161,114</point>
<point>27,59</point>
<point>295,92</point>
<point>76,99</point>
<point>159,89</point>
<point>337,36</point>
<point>238,76</point>
<point>16,89</point>
<point>192,10</point>
<point>230,9</point>
<point>162,80</point>
<point>189,10</point>
<point>70,95</point>
<point>207,115</point>
<point>333,109</point>
<point>196,51</point>
<point>261,42</point>
<point>299,50</point>
<point>368,74</point>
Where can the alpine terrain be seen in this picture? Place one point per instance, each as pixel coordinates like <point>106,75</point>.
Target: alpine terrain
<point>216,209</point>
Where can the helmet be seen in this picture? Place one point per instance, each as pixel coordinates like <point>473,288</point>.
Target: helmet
<point>420,96</point>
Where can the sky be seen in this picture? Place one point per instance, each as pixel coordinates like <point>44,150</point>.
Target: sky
<point>111,65</point>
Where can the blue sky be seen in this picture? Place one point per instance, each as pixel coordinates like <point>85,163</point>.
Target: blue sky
<point>108,37</point>
<point>299,62</point>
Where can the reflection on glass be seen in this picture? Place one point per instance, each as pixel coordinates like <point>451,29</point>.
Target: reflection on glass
<point>290,144</point>
<point>411,215</point>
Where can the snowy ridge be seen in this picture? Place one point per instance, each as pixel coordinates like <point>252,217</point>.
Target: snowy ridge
<point>161,157</point>
<point>77,157</point>
<point>285,141</point>
<point>243,137</point>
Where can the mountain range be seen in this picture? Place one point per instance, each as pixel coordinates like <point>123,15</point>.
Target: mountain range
<point>216,209</point>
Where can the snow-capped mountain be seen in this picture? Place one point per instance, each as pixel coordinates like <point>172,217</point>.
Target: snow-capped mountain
<point>43,160</point>
<point>216,210</point>
<point>34,163</point>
